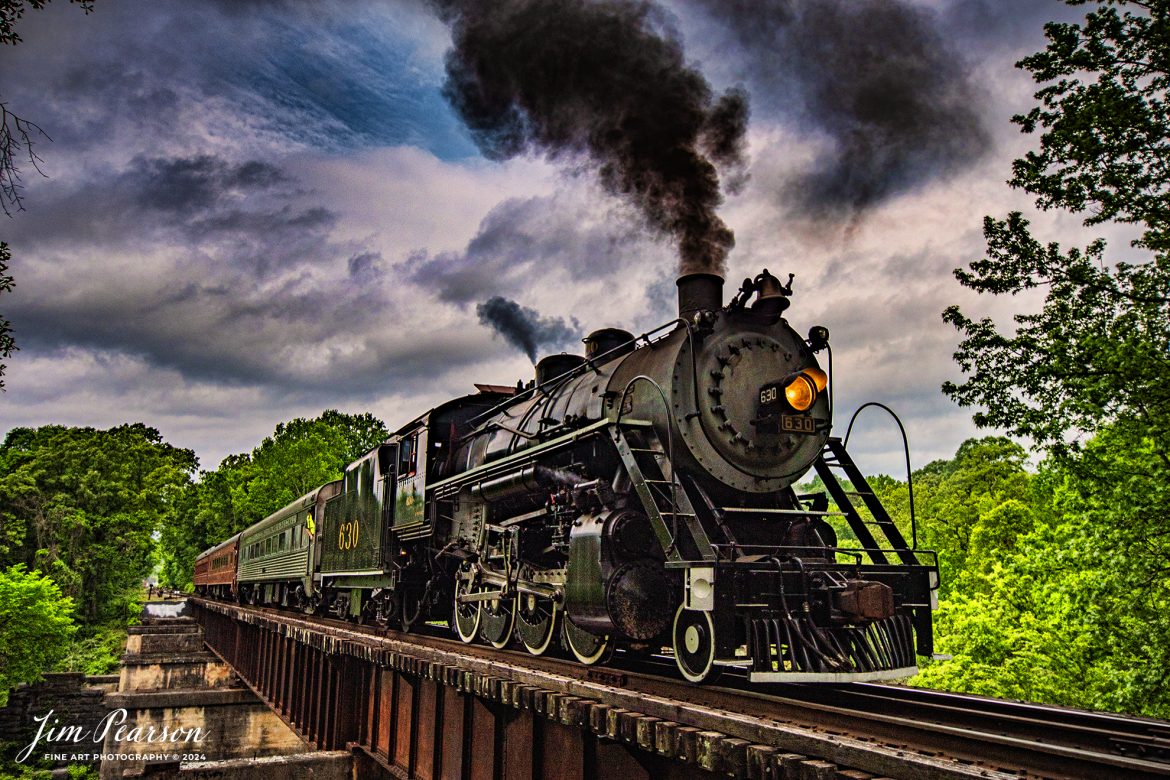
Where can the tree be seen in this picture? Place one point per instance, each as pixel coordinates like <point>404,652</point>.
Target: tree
<point>81,505</point>
<point>7,344</point>
<point>1096,352</point>
<point>299,456</point>
<point>36,624</point>
<point>1063,596</point>
<point>1073,609</point>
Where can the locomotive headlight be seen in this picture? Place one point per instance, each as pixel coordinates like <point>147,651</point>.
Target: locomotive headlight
<point>801,392</point>
<point>802,388</point>
<point>820,378</point>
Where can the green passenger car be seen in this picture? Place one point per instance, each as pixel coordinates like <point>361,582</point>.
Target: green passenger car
<point>277,554</point>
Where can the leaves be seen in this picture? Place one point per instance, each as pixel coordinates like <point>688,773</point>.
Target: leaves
<point>1098,351</point>
<point>7,343</point>
<point>36,624</point>
<point>81,505</point>
<point>301,455</point>
<point>1055,585</point>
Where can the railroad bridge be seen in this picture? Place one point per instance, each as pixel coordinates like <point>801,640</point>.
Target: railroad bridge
<point>423,706</point>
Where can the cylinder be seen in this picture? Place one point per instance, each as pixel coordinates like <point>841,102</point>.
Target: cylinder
<point>699,292</point>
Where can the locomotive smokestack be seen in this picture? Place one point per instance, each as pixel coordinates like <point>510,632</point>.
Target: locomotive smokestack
<point>699,292</point>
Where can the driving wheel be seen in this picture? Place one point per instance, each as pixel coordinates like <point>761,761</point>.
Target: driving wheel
<point>497,617</point>
<point>466,615</point>
<point>536,622</point>
<point>587,648</point>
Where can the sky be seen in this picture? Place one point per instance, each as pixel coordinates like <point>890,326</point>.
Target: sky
<point>255,211</point>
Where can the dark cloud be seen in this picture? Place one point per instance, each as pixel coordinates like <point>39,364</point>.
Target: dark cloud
<point>365,266</point>
<point>989,26</point>
<point>892,95</point>
<point>323,75</point>
<point>524,328</point>
<point>603,81</point>
<point>219,270</point>
<point>186,184</point>
<point>522,239</point>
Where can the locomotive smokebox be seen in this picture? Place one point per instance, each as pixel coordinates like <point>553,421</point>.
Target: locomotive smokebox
<point>699,292</point>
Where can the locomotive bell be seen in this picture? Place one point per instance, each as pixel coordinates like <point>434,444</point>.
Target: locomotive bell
<point>771,296</point>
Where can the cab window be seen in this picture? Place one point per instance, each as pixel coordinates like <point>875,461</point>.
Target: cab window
<point>406,459</point>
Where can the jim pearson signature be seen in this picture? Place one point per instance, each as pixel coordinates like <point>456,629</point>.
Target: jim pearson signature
<point>113,724</point>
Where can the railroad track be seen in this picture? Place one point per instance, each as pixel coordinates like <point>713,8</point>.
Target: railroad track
<point>883,729</point>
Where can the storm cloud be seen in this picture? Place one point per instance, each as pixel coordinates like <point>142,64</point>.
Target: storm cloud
<point>222,271</point>
<point>524,240</point>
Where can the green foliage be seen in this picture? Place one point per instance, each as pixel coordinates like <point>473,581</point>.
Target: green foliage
<point>1103,111</point>
<point>1061,592</point>
<point>35,625</point>
<point>37,768</point>
<point>963,503</point>
<point>1096,352</point>
<point>1054,584</point>
<point>95,650</point>
<point>301,455</point>
<point>81,505</point>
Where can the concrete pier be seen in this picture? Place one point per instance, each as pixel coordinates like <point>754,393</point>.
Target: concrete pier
<point>179,711</point>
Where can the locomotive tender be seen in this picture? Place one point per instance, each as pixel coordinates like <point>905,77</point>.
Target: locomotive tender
<point>639,497</point>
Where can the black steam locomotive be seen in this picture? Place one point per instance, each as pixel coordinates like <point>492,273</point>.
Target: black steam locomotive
<point>637,497</point>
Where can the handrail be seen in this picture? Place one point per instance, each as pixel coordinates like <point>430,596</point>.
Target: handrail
<point>906,449</point>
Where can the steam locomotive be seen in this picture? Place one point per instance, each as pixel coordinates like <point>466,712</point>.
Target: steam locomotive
<point>638,497</point>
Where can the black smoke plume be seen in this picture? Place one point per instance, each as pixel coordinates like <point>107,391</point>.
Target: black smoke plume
<point>878,77</point>
<point>603,81</point>
<point>523,327</point>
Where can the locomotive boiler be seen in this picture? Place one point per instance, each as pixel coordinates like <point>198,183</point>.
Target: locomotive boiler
<point>638,497</point>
